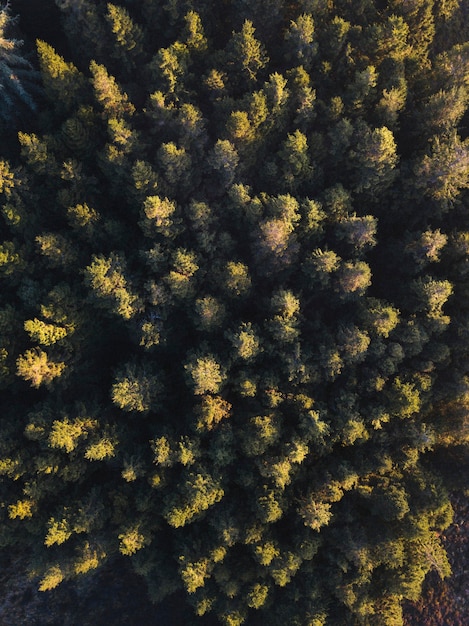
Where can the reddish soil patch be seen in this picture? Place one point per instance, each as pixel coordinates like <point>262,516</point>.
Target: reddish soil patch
<point>116,595</point>
<point>446,602</point>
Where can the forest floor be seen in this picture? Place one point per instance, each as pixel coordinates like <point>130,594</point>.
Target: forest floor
<point>446,602</point>
<point>115,595</point>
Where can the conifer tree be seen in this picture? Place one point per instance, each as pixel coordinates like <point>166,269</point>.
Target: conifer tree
<point>233,304</point>
<point>18,79</point>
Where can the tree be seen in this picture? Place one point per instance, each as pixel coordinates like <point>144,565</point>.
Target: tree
<point>375,160</point>
<point>224,160</point>
<point>358,232</point>
<point>171,65</point>
<point>444,110</point>
<point>115,103</point>
<point>106,277</point>
<point>18,79</point>
<point>85,25</point>
<point>128,35</point>
<point>300,38</point>
<point>195,36</point>
<point>205,374</point>
<point>44,333</point>
<point>247,55</point>
<point>200,492</point>
<point>36,367</point>
<point>176,165</point>
<point>431,294</point>
<point>63,82</point>
<point>159,217</point>
<point>135,390</point>
<point>295,160</point>
<point>233,334</point>
<point>353,279</point>
<point>444,172</point>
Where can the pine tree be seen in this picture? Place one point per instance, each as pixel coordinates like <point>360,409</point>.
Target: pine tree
<point>233,307</point>
<point>63,83</point>
<point>18,79</point>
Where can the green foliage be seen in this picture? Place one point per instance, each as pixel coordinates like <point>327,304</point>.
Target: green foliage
<point>128,35</point>
<point>114,102</point>
<point>66,434</point>
<point>248,54</point>
<point>101,449</point>
<point>62,81</point>
<point>233,304</point>
<point>375,159</point>
<point>205,374</point>
<point>35,367</point>
<point>200,492</point>
<point>43,333</point>
<point>106,277</point>
<point>171,64</point>
<point>135,390</point>
<point>445,171</point>
<point>132,540</point>
<point>158,216</point>
<point>195,36</point>
<point>52,578</point>
<point>21,509</point>
<point>18,79</point>
<point>300,38</point>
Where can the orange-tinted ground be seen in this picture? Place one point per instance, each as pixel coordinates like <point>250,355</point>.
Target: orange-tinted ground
<point>116,595</point>
<point>446,602</point>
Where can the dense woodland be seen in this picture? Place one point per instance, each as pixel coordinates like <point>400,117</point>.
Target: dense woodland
<point>234,306</point>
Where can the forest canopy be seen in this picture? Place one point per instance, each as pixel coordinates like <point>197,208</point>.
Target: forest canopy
<point>234,319</point>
